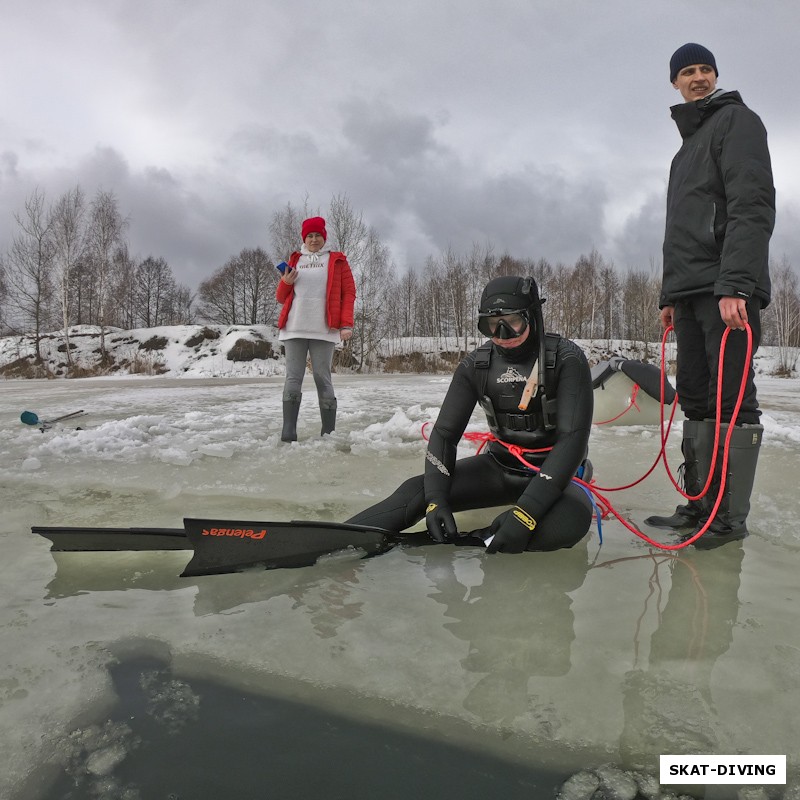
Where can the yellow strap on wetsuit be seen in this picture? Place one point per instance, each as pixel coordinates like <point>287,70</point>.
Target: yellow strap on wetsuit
<point>524,517</point>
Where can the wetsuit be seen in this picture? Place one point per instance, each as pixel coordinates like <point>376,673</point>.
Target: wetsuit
<point>496,379</point>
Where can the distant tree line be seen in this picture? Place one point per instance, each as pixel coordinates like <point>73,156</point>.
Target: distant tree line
<point>69,264</point>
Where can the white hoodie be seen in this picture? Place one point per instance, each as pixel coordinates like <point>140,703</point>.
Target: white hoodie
<point>308,316</point>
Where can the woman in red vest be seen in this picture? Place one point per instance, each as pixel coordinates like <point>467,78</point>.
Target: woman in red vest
<point>318,295</point>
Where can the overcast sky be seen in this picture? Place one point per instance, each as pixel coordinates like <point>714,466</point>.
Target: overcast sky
<point>539,126</point>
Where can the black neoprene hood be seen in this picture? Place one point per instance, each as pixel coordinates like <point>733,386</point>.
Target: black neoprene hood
<point>508,292</point>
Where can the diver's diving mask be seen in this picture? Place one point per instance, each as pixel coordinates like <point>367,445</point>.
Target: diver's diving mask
<point>503,323</point>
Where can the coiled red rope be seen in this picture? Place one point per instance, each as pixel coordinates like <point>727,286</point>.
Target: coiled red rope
<point>605,507</point>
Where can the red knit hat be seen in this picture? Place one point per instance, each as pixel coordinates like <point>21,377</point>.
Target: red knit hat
<point>314,225</point>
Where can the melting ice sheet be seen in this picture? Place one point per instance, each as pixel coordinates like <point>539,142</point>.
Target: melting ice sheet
<point>545,666</point>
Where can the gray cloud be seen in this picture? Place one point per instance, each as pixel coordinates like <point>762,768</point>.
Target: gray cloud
<point>542,128</point>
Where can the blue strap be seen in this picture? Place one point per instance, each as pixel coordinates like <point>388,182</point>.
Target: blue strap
<point>597,513</point>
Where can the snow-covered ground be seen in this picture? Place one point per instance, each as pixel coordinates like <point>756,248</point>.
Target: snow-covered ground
<point>590,662</point>
<point>224,351</point>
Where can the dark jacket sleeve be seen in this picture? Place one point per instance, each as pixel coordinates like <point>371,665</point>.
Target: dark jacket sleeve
<point>575,403</point>
<point>745,168</point>
<point>454,416</point>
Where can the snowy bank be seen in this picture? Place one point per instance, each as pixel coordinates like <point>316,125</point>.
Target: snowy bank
<point>226,351</point>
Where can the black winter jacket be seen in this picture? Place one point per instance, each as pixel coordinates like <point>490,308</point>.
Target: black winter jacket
<point>570,403</point>
<point>720,203</point>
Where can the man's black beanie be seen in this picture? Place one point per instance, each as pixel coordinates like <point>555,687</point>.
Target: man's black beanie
<point>689,54</point>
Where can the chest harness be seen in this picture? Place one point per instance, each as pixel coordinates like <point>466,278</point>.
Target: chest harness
<point>541,412</point>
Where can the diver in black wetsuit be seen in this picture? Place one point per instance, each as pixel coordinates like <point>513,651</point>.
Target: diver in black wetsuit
<point>549,511</point>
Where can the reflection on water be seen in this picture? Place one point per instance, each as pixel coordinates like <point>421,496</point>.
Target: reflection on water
<point>332,604</point>
<point>80,573</point>
<point>668,703</point>
<point>517,626</point>
<point>323,592</point>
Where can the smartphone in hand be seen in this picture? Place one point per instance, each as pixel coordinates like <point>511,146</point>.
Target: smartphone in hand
<point>282,267</point>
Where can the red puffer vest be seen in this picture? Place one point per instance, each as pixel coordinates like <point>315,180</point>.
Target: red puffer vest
<point>340,294</point>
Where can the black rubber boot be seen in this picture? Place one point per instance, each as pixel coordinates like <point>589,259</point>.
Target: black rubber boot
<point>327,410</point>
<point>729,524</point>
<point>688,515</point>
<point>291,410</point>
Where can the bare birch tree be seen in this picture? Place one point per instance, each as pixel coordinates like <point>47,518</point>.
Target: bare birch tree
<point>4,305</point>
<point>406,300</point>
<point>785,314</point>
<point>640,292</point>
<point>609,285</point>
<point>29,267</point>
<point>69,232</point>
<point>347,230</point>
<point>374,280</point>
<point>153,283</point>
<point>284,230</point>
<point>105,236</point>
<point>349,234</point>
<point>242,292</point>
<point>124,312</point>
<point>181,309</point>
<point>480,265</point>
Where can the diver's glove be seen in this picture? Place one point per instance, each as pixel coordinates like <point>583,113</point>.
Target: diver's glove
<point>512,531</point>
<point>440,521</point>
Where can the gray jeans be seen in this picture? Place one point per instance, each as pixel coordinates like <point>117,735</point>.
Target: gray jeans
<point>297,351</point>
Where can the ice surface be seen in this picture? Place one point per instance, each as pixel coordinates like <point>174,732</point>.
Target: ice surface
<point>582,658</point>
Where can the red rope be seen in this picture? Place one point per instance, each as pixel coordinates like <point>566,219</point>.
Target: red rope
<point>631,404</point>
<point>603,503</point>
<point>484,437</point>
<point>725,453</point>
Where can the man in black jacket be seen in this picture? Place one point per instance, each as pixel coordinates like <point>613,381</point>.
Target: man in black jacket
<point>549,510</point>
<point>720,216</point>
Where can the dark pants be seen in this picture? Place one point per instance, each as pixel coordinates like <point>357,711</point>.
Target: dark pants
<point>698,331</point>
<point>480,482</point>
